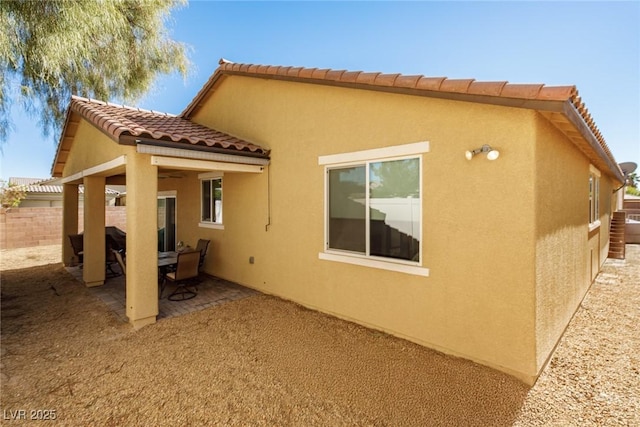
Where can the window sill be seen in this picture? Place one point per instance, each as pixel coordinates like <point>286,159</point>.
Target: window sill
<point>373,263</point>
<point>593,226</point>
<point>211,225</point>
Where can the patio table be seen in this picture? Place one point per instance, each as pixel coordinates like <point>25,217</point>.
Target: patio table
<point>166,259</point>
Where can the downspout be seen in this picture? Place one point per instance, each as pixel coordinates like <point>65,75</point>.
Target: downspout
<point>266,227</point>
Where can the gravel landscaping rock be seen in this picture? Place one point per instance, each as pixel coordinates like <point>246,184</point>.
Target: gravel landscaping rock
<point>265,361</point>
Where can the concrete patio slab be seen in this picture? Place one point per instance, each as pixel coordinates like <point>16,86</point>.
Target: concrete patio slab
<point>212,291</point>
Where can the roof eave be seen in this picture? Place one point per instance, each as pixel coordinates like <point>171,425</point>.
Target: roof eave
<point>197,101</point>
<point>54,173</point>
<point>133,140</point>
<point>575,118</point>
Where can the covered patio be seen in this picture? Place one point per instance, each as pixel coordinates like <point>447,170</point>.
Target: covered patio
<point>102,144</point>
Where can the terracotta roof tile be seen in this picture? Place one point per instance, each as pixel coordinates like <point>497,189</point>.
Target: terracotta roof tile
<point>119,120</point>
<point>386,79</point>
<point>526,91</point>
<point>486,88</point>
<point>272,69</point>
<point>306,73</point>
<point>334,75</point>
<point>319,73</point>
<point>456,85</point>
<point>294,71</point>
<point>430,83</point>
<point>350,76</point>
<point>283,71</point>
<point>557,92</point>
<point>407,81</point>
<point>367,78</point>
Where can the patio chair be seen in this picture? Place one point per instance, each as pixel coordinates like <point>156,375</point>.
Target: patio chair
<point>184,277</point>
<point>119,256</point>
<point>202,247</point>
<point>77,243</point>
<point>110,259</point>
<point>118,238</point>
<point>120,259</point>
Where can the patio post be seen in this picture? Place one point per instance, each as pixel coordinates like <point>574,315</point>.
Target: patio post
<point>94,232</point>
<point>69,220</point>
<point>142,240</point>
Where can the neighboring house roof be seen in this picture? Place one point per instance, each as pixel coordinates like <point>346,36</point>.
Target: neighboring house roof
<point>561,105</point>
<point>41,186</point>
<point>24,181</point>
<point>126,124</point>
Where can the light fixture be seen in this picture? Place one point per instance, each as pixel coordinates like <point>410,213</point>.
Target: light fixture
<point>491,153</point>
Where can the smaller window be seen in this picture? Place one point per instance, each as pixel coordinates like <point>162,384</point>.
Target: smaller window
<point>211,197</point>
<point>594,198</point>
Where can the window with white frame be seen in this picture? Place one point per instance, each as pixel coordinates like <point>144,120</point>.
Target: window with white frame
<point>374,206</point>
<point>594,197</point>
<point>211,200</point>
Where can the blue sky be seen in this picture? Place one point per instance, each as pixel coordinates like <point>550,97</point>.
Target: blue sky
<point>593,45</point>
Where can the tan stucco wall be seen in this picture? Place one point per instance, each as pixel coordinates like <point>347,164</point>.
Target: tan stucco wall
<point>568,255</point>
<point>478,216</point>
<point>90,148</point>
<point>142,240</point>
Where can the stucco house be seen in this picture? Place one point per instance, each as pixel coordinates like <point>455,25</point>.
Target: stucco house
<point>369,196</point>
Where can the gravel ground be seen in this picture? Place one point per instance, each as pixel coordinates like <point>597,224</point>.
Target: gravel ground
<point>265,361</point>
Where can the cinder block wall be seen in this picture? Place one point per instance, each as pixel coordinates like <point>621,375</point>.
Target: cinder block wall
<point>27,227</point>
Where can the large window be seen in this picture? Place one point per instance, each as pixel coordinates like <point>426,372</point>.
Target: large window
<point>211,196</point>
<point>374,207</point>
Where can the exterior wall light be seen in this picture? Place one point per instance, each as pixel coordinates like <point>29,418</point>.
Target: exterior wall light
<point>491,153</point>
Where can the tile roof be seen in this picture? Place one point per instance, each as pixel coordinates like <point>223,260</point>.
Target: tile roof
<point>41,186</point>
<point>121,120</point>
<point>24,181</point>
<point>551,101</point>
<point>124,124</point>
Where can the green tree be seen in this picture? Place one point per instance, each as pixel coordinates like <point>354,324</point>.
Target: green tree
<point>397,178</point>
<point>11,194</point>
<point>632,184</point>
<point>110,49</point>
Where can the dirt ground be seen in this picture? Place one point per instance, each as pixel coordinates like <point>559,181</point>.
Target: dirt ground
<point>265,361</point>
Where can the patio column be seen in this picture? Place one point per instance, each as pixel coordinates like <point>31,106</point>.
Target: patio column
<point>69,220</point>
<point>93,272</point>
<point>142,240</point>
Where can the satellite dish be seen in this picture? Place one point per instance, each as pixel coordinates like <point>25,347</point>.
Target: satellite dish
<point>628,167</point>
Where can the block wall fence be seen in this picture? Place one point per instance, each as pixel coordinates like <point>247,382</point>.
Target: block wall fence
<point>27,227</point>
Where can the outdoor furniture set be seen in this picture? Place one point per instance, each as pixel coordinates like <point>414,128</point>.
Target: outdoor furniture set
<point>181,268</point>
